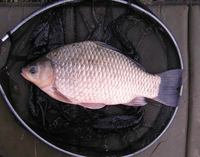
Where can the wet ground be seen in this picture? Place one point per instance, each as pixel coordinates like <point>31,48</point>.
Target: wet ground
<point>21,142</point>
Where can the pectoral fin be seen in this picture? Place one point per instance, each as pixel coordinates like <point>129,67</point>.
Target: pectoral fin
<point>54,93</point>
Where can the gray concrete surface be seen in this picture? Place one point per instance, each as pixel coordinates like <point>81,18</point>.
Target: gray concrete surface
<point>10,18</point>
<point>193,146</point>
<point>17,142</point>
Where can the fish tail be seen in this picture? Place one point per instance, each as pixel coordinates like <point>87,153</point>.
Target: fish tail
<point>168,90</point>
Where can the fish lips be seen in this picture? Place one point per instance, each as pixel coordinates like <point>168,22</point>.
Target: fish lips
<point>23,74</point>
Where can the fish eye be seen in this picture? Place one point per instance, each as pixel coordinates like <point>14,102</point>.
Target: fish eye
<point>33,69</point>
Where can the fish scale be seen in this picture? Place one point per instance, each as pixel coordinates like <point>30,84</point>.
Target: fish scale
<point>90,72</point>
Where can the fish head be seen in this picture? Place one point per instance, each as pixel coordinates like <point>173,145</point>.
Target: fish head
<point>39,72</point>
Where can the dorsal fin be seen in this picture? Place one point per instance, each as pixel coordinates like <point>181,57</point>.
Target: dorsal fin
<point>106,46</point>
<point>115,49</point>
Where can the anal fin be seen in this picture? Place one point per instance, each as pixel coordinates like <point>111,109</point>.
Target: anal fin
<point>138,101</point>
<point>92,105</point>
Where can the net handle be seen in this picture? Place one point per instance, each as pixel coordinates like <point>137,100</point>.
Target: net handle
<point>1,42</point>
<point>9,54</point>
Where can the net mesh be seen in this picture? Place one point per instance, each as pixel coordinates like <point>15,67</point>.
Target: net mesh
<point>112,130</point>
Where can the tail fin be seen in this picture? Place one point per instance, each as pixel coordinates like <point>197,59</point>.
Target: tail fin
<point>168,91</point>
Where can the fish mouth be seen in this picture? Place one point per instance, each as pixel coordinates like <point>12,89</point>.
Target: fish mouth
<point>23,74</point>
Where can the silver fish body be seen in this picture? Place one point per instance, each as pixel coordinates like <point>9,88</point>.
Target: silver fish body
<point>93,74</point>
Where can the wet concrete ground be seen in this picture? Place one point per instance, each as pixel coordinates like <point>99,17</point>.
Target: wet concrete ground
<point>180,140</point>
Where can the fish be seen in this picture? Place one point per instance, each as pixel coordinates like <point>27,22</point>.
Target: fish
<point>93,74</point>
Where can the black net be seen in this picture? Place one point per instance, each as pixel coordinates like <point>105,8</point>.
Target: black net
<point>112,130</point>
